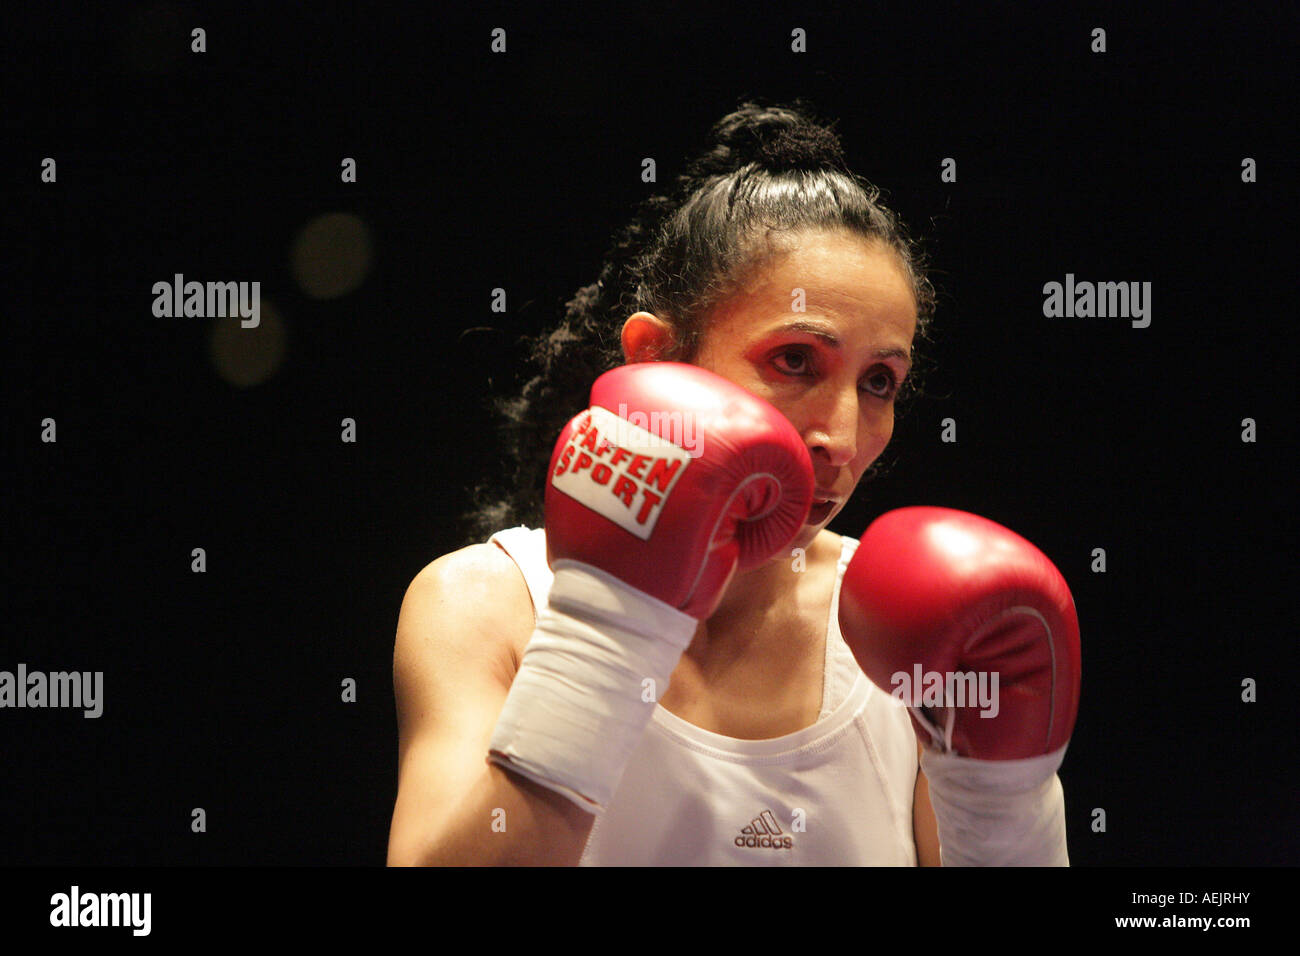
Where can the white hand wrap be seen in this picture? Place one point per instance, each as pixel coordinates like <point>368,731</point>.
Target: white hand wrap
<point>575,711</point>
<point>998,812</point>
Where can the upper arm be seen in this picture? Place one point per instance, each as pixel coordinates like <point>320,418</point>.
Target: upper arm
<point>925,829</point>
<point>453,662</point>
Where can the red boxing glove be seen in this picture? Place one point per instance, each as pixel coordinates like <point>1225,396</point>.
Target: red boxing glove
<point>932,591</point>
<point>673,479</point>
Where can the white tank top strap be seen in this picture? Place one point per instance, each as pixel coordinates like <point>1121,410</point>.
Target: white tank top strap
<point>841,673</point>
<point>525,545</point>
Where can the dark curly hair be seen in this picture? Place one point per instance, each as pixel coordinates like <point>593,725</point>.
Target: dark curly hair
<point>768,172</point>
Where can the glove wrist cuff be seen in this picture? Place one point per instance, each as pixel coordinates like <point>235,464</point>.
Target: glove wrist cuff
<point>589,681</point>
<point>998,812</point>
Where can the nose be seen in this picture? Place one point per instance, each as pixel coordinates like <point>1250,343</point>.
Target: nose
<point>832,435</point>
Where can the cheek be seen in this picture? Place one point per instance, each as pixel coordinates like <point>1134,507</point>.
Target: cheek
<point>873,437</point>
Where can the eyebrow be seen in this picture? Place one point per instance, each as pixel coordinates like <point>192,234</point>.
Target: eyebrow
<point>821,332</point>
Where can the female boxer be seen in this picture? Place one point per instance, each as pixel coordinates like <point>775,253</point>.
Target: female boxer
<point>654,673</point>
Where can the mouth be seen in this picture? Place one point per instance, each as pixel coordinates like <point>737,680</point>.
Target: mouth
<point>822,506</point>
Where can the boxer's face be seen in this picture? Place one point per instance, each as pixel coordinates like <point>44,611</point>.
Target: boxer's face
<point>834,369</point>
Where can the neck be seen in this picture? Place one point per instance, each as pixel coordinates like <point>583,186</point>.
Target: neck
<point>754,592</point>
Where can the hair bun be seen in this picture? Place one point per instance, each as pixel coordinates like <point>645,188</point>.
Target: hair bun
<point>801,147</point>
<point>779,139</point>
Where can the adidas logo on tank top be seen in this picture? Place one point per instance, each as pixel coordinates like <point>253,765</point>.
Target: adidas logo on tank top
<point>763,832</point>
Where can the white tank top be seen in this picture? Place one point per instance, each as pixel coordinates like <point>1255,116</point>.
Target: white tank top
<point>838,793</point>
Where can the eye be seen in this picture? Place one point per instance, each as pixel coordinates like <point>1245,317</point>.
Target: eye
<point>793,361</point>
<point>886,382</point>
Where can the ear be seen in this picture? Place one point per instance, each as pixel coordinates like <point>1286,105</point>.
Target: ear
<point>646,338</point>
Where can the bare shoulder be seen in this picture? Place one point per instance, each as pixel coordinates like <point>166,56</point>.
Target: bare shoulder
<point>477,588</point>
<point>464,618</point>
<point>476,581</point>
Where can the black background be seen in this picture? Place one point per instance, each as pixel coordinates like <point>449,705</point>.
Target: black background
<point>479,171</point>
